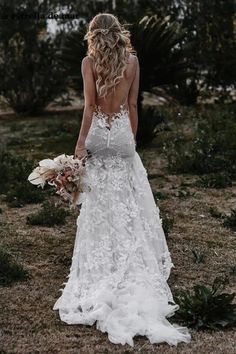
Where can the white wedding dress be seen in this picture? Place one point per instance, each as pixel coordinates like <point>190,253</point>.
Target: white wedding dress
<point>121,262</point>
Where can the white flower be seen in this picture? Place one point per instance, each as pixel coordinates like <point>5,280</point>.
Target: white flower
<point>49,164</point>
<point>36,177</point>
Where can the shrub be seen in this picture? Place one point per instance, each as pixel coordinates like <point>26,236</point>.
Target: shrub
<point>13,169</point>
<point>230,220</point>
<point>49,215</point>
<point>216,213</point>
<point>24,193</point>
<point>211,149</point>
<point>233,270</point>
<point>206,307</point>
<point>160,195</point>
<point>14,172</point>
<point>14,142</point>
<point>215,180</point>
<point>148,125</point>
<point>10,270</point>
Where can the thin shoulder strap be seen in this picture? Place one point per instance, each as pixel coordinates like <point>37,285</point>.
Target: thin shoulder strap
<point>125,101</point>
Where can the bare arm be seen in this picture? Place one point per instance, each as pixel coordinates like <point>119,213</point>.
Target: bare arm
<point>89,103</point>
<point>133,98</point>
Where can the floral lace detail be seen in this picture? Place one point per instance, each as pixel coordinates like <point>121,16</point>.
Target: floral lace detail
<point>121,262</point>
<point>118,140</point>
<point>100,114</point>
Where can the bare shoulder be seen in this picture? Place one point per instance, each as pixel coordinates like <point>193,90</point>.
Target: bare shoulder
<point>86,64</point>
<point>134,63</point>
<point>133,59</point>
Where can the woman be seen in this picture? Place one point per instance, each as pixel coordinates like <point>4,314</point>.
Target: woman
<point>121,263</point>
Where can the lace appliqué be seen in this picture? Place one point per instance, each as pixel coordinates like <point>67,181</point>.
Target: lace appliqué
<point>121,262</point>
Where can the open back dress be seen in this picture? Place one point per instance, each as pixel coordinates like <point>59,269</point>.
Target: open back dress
<point>121,262</point>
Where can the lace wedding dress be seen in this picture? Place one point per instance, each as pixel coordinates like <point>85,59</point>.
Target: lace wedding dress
<point>121,262</point>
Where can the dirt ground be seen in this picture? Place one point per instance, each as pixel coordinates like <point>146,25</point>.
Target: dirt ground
<point>28,325</point>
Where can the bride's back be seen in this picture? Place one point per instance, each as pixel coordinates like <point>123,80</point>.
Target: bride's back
<point>112,102</point>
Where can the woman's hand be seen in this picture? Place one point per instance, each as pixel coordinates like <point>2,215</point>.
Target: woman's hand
<point>135,141</point>
<point>80,152</point>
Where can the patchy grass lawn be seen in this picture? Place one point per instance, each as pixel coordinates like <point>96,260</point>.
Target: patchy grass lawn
<point>28,325</point>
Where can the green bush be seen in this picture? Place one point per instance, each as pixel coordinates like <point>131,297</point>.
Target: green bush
<point>206,307</point>
<point>49,215</point>
<point>24,193</point>
<point>14,182</point>
<point>10,270</point>
<point>160,195</point>
<point>210,149</point>
<point>216,213</point>
<point>148,125</point>
<point>230,220</point>
<point>14,142</point>
<point>215,180</point>
<point>13,169</point>
<point>232,270</point>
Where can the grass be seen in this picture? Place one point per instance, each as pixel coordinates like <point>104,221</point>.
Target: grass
<point>28,323</point>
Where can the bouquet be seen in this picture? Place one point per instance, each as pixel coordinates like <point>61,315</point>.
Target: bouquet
<point>65,173</point>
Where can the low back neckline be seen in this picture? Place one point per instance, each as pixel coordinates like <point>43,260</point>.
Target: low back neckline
<point>98,107</point>
<point>110,117</point>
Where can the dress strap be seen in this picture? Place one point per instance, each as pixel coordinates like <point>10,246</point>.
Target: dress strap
<point>123,104</point>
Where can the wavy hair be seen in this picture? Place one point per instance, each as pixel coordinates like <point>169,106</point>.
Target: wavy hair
<point>109,46</point>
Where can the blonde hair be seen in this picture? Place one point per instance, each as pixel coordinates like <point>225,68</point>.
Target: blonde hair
<point>109,46</point>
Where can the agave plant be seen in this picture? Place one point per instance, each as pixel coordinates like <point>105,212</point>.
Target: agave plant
<point>207,307</point>
<point>163,60</point>
<point>159,44</point>
<point>162,56</point>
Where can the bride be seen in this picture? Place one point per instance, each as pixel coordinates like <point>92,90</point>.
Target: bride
<point>121,262</point>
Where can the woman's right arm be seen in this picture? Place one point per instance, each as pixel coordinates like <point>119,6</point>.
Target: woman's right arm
<point>133,98</point>
<point>89,89</point>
